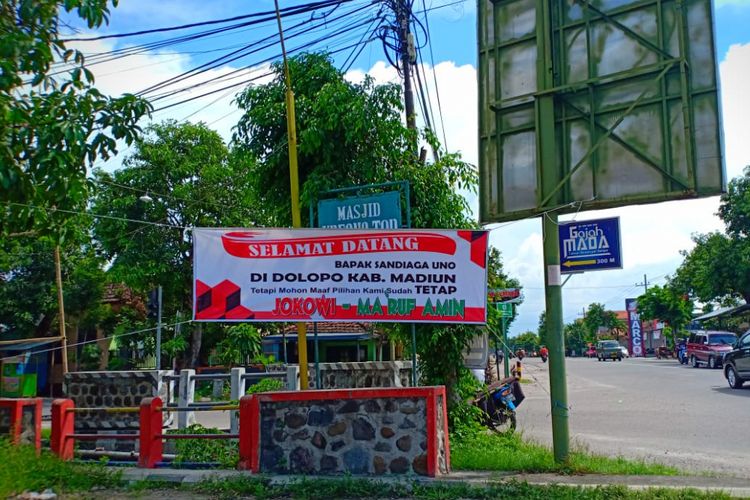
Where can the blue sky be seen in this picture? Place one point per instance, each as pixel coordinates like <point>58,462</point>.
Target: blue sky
<point>653,235</point>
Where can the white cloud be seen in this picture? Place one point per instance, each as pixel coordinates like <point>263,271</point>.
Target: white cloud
<point>652,235</point>
<point>736,3</point>
<point>735,75</point>
<point>138,72</point>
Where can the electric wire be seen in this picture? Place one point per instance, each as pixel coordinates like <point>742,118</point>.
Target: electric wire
<point>434,74</point>
<point>285,10</point>
<point>116,335</point>
<point>271,41</point>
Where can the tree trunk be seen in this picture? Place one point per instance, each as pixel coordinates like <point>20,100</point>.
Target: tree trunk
<point>195,345</point>
<point>103,345</point>
<point>72,334</point>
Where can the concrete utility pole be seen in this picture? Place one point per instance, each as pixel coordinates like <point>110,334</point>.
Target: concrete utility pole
<point>406,43</point>
<point>645,284</point>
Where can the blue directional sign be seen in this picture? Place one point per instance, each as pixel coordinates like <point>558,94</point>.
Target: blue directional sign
<point>376,211</point>
<point>592,245</point>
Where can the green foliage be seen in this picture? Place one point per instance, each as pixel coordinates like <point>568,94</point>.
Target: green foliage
<point>510,452</point>
<point>266,385</point>
<point>349,134</point>
<point>240,346</point>
<point>352,134</point>
<point>527,340</point>
<point>222,451</point>
<point>575,336</point>
<point>597,316</point>
<point>28,295</point>
<point>51,130</point>
<point>193,181</point>
<point>735,206</point>
<point>464,418</point>
<point>542,328</point>
<point>24,470</point>
<point>717,269</point>
<point>668,305</point>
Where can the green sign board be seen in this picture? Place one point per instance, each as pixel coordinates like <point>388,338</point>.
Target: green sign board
<point>589,104</point>
<point>505,308</point>
<point>376,211</point>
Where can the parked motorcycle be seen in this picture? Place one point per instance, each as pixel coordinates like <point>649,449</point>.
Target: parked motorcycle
<point>682,354</point>
<point>498,407</point>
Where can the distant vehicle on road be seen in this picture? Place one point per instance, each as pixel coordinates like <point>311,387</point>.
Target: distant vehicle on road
<point>590,353</point>
<point>708,347</point>
<point>737,362</point>
<point>608,349</point>
<point>625,353</point>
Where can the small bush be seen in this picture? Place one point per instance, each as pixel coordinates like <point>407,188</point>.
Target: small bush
<point>266,385</point>
<point>225,452</point>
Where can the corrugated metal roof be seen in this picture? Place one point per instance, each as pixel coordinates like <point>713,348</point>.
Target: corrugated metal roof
<point>25,345</point>
<point>724,311</point>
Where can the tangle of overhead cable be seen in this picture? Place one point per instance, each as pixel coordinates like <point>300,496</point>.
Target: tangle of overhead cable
<point>434,74</point>
<point>371,31</point>
<point>104,57</point>
<point>257,63</point>
<point>245,82</point>
<point>248,49</point>
<point>295,9</point>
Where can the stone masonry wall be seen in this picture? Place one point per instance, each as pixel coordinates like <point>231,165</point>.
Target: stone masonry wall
<point>112,389</point>
<point>364,374</point>
<point>358,436</point>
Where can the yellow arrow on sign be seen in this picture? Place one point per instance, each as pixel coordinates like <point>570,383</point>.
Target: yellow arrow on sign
<point>569,263</point>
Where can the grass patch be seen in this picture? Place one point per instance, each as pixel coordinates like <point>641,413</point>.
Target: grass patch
<point>347,487</point>
<point>23,470</point>
<point>511,453</point>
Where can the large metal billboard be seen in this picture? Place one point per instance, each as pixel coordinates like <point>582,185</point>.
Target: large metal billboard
<point>588,104</point>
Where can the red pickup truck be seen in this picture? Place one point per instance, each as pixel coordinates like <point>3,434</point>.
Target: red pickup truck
<point>708,347</point>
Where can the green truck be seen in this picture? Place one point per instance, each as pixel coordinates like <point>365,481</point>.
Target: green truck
<point>608,349</point>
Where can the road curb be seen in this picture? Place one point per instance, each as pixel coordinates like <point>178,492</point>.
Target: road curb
<point>735,487</point>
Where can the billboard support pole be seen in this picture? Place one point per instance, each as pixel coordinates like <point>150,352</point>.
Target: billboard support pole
<point>291,127</point>
<point>547,148</point>
<point>557,375</point>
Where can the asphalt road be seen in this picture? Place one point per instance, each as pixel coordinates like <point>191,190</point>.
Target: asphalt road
<point>646,408</point>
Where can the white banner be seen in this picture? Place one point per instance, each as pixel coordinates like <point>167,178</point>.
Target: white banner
<point>408,275</point>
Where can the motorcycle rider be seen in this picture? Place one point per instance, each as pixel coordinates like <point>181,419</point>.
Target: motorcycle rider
<point>544,353</point>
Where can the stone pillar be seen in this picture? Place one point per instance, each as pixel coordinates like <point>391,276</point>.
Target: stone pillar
<point>237,390</point>
<point>292,378</point>
<point>186,398</point>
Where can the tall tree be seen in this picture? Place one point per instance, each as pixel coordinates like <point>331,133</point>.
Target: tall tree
<point>28,300</point>
<point>52,128</point>
<point>717,269</point>
<point>542,328</point>
<point>352,134</point>
<point>597,316</point>
<point>191,181</point>
<point>349,134</point>
<point>575,336</point>
<point>668,305</point>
